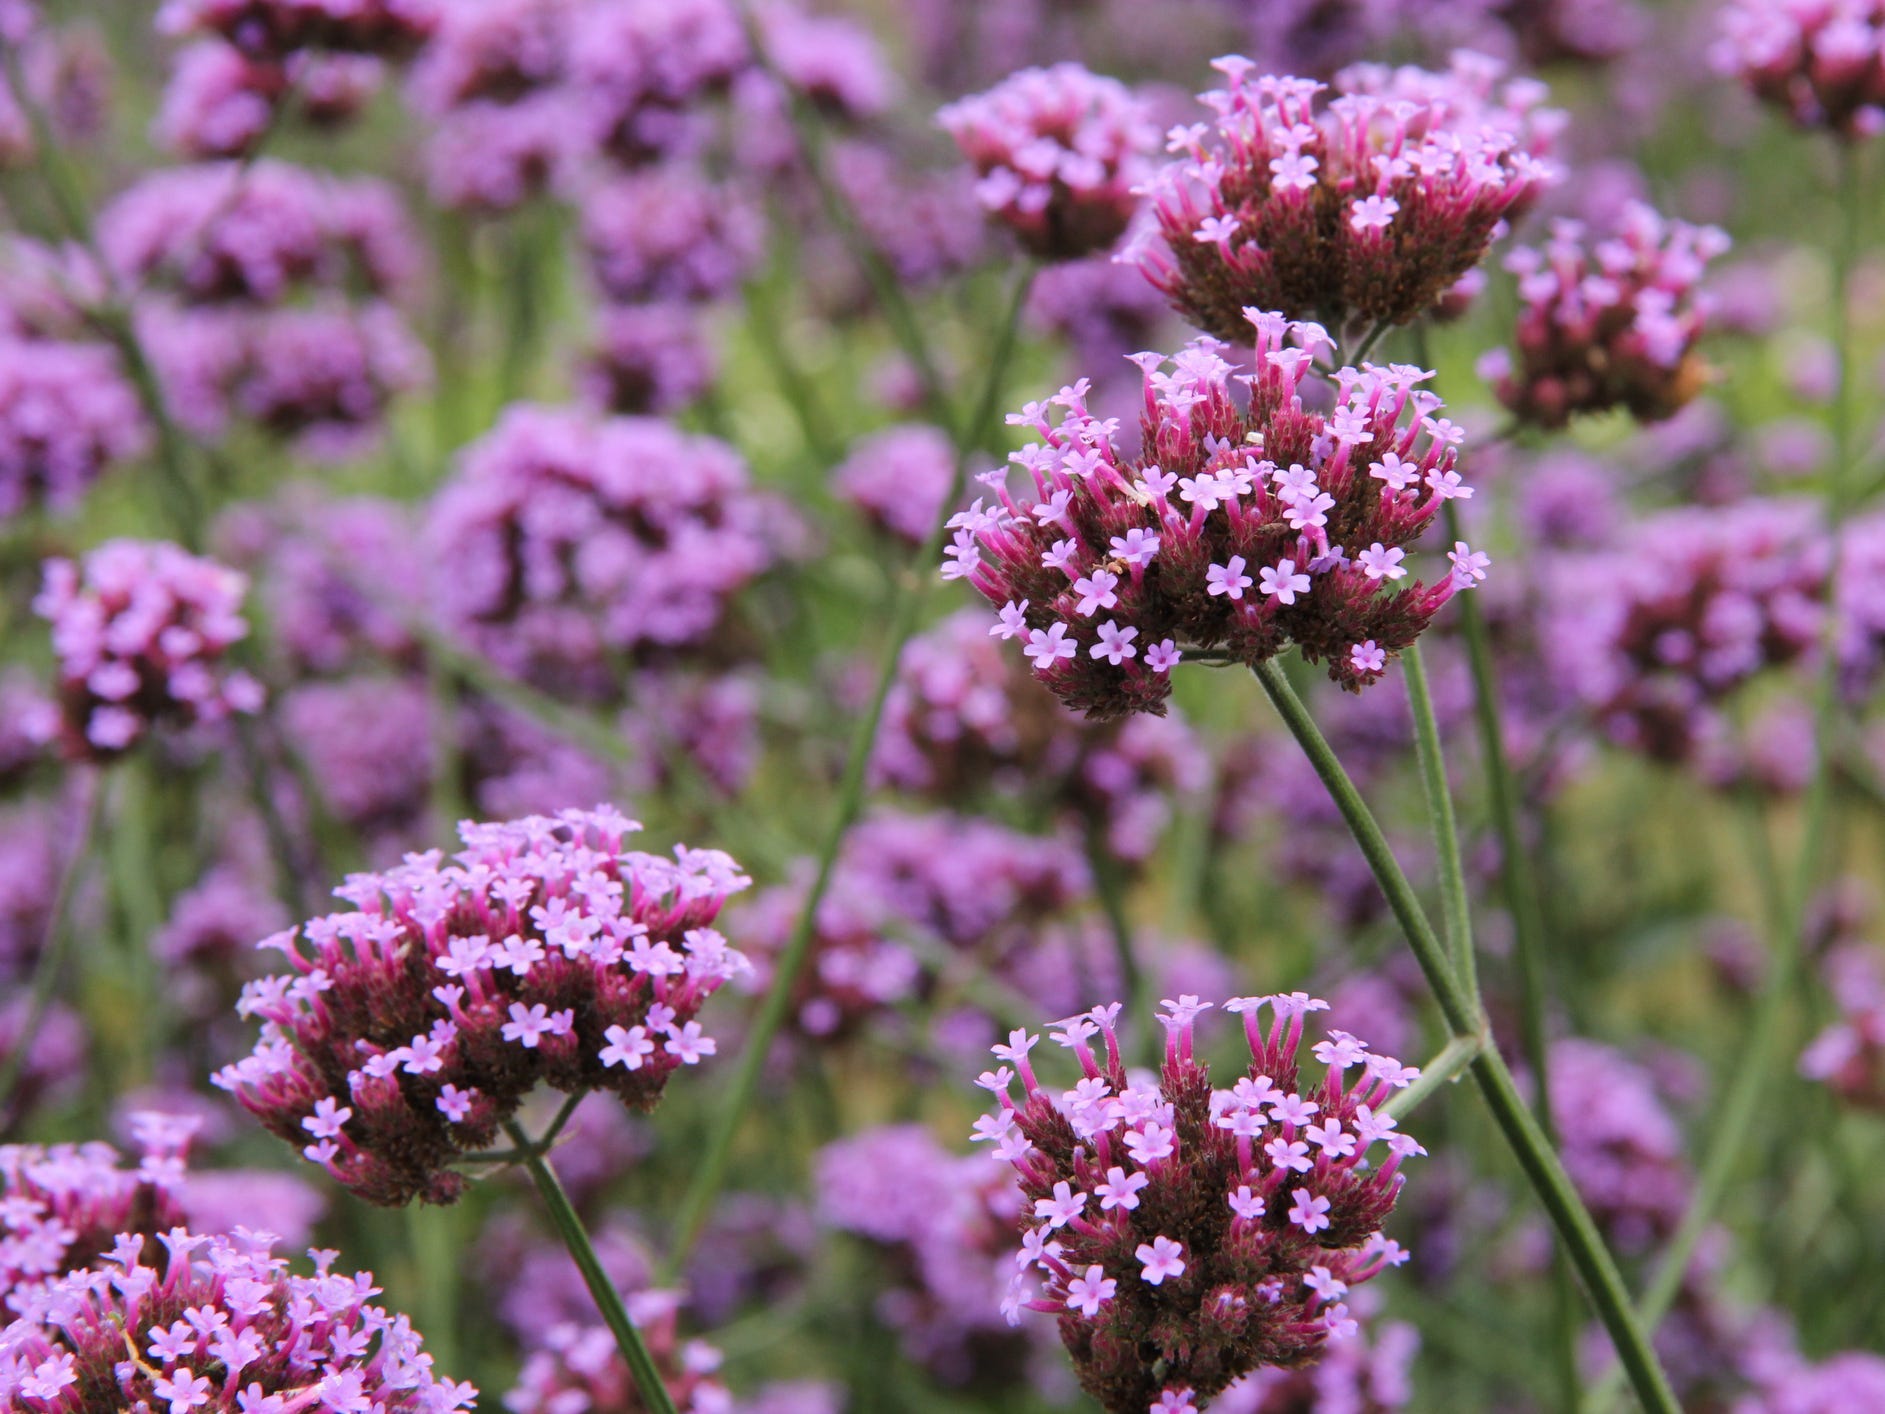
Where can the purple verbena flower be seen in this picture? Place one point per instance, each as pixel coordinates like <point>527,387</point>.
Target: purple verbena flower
<point>220,103</point>
<point>1607,323</point>
<point>1237,530</point>
<point>898,479</point>
<point>1363,213</point>
<point>140,629</point>
<point>67,416</point>
<point>668,233</point>
<point>414,1025</point>
<point>1819,62</point>
<point>1185,1236</point>
<point>215,1324</point>
<point>581,1367</point>
<point>1059,152</point>
<point>648,358</point>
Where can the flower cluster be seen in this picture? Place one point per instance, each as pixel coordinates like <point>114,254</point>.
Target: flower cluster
<point>67,416</point>
<point>62,1204</point>
<point>905,887</point>
<point>964,716</point>
<point>228,232</point>
<point>221,103</point>
<point>366,741</point>
<point>564,538</point>
<point>414,1025</point>
<point>643,67</point>
<point>899,478</point>
<point>276,29</point>
<point>1060,153</point>
<point>948,1220</point>
<point>215,1324</point>
<point>1605,324</point>
<point>647,359</point>
<point>1238,530</point>
<point>1849,1056</point>
<point>1370,1374</point>
<point>1185,1236</point>
<point>667,233</point>
<point>580,1367</point>
<point>206,943</point>
<point>1821,63</point>
<point>1653,633</point>
<point>140,629</point>
<point>1364,213</point>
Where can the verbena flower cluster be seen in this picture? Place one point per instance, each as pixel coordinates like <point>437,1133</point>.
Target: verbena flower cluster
<point>67,416</point>
<point>1371,1373</point>
<point>215,1323</point>
<point>258,233</point>
<point>1821,62</point>
<point>1361,214</point>
<point>898,479</point>
<point>61,1205</point>
<point>564,539</point>
<point>141,629</point>
<point>1183,1235</point>
<point>414,1025</point>
<point>1607,323</point>
<point>1654,633</point>
<point>1059,152</point>
<point>1238,529</point>
<point>275,29</point>
<point>964,716</point>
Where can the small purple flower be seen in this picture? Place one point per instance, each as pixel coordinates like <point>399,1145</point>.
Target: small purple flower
<point>1059,152</point>
<point>401,979</point>
<point>275,29</point>
<point>1269,1243</point>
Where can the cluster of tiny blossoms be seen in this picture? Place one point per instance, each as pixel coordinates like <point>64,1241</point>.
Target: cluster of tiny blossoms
<point>414,1025</point>
<point>1238,530</point>
<point>1186,1235</point>
<point>1060,152</point>
<point>1364,213</point>
<point>1607,324</point>
<point>67,415</point>
<point>1822,62</point>
<point>62,1204</point>
<point>565,537</point>
<point>140,628</point>
<point>1849,1055</point>
<point>215,1324</point>
<point>275,29</point>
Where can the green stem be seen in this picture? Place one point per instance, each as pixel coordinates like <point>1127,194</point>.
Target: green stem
<point>1106,884</point>
<point>54,946</point>
<point>569,1227</point>
<point>1516,880</point>
<point>1577,1232</point>
<point>710,1172</point>
<point>1455,921</point>
<point>1448,1065</point>
<point>1369,340</point>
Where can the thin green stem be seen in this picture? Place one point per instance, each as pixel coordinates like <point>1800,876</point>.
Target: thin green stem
<point>1369,340</point>
<point>1106,883</point>
<point>1447,1065</point>
<point>54,947</point>
<point>710,1172</point>
<point>1516,880</point>
<point>1577,1232</point>
<point>569,1227</point>
<point>1455,920</point>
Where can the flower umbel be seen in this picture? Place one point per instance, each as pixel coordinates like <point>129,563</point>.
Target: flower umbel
<point>1238,530</point>
<point>1363,213</point>
<point>1059,151</point>
<point>412,1027</point>
<point>1186,1235</point>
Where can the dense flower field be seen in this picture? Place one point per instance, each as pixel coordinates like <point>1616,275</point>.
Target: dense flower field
<point>922,706</point>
